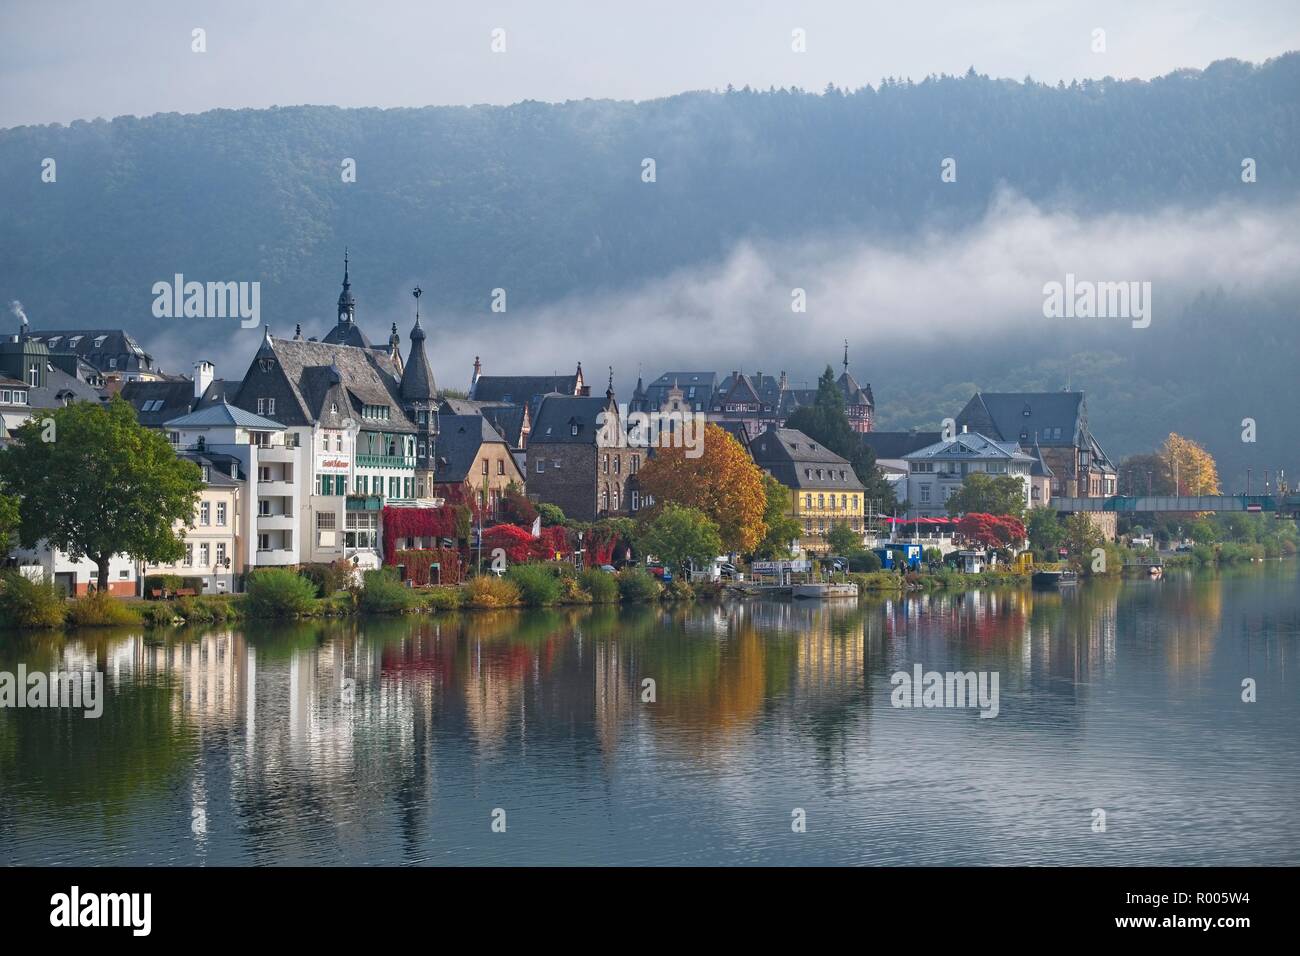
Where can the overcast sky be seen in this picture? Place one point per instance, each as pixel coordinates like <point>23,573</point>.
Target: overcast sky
<point>82,59</point>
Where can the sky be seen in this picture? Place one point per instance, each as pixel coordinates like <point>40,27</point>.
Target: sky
<point>81,59</point>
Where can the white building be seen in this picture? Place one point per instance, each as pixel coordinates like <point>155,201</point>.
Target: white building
<point>936,472</point>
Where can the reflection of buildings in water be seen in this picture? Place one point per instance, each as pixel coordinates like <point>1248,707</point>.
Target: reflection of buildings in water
<point>1190,614</point>
<point>617,693</point>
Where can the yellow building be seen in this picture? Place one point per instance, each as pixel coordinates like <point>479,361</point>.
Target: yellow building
<point>824,489</point>
<point>213,544</point>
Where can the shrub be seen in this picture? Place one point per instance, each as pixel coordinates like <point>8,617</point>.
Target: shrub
<point>157,614</point>
<point>679,589</point>
<point>538,585</point>
<point>601,585</point>
<point>101,609</point>
<point>550,514</point>
<point>488,591</point>
<point>382,593</point>
<point>876,581</point>
<point>328,578</point>
<point>278,592</point>
<point>864,562</point>
<point>28,603</point>
<point>637,584</point>
<point>441,598</point>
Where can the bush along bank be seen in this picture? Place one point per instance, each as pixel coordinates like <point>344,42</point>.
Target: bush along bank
<point>285,593</point>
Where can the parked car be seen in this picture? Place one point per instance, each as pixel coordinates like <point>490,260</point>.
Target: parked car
<point>609,569</point>
<point>727,570</point>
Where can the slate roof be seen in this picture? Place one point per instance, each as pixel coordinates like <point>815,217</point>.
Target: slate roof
<point>155,403</point>
<point>971,446</point>
<point>1053,419</point>
<point>558,414</point>
<point>307,379</point>
<point>522,389</point>
<point>459,439</point>
<point>897,445</point>
<point>223,414</point>
<point>508,420</point>
<point>59,389</point>
<point>98,347</point>
<point>417,378</point>
<point>795,460</point>
<point>219,468</point>
<point>347,332</point>
<point>704,383</point>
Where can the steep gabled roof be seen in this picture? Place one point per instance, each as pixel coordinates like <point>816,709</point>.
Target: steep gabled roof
<point>558,415</point>
<point>522,389</point>
<point>313,377</point>
<point>459,439</point>
<point>798,461</point>
<point>1055,418</point>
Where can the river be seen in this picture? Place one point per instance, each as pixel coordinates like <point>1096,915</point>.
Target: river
<point>772,736</point>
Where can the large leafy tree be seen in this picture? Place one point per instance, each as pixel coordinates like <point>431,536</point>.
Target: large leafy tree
<point>1138,474</point>
<point>1194,468</point>
<point>778,515</point>
<point>825,421</point>
<point>989,494</point>
<point>104,485</point>
<point>723,482</point>
<point>677,535</point>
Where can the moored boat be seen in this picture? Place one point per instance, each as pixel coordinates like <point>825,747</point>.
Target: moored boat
<point>1048,580</point>
<point>825,590</point>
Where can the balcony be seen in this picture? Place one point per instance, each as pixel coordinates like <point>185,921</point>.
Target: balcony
<point>385,461</point>
<point>275,556</point>
<point>276,488</point>
<point>280,522</point>
<point>276,453</point>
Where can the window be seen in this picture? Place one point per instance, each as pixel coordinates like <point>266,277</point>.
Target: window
<point>614,499</point>
<point>605,465</point>
<point>821,501</point>
<point>124,573</point>
<point>221,552</point>
<point>270,406</point>
<point>325,521</point>
<point>325,441</point>
<point>408,487</point>
<point>604,498</point>
<point>573,429</point>
<point>221,513</point>
<point>203,473</point>
<point>618,466</point>
<point>394,487</point>
<point>501,467</point>
<point>264,506</point>
<point>205,513</point>
<point>189,555</point>
<point>263,542</point>
<point>636,463</point>
<point>925,494</point>
<point>359,484</point>
<point>485,467</point>
<point>636,500</point>
<point>205,554</point>
<point>34,376</point>
<point>541,465</point>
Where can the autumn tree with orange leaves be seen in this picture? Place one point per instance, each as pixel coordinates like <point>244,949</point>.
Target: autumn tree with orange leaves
<point>1193,466</point>
<point>723,483</point>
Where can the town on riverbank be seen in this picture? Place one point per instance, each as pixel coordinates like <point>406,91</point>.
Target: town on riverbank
<point>336,477</point>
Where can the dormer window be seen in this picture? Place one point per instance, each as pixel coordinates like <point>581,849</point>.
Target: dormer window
<point>1025,411</point>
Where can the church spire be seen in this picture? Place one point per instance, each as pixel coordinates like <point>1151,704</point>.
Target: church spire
<point>846,355</point>
<point>417,377</point>
<point>347,302</point>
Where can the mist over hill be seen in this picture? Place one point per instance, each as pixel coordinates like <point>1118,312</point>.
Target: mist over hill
<point>937,284</point>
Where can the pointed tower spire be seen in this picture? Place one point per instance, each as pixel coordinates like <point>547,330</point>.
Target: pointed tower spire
<point>846,355</point>
<point>609,391</point>
<point>417,376</point>
<point>347,302</point>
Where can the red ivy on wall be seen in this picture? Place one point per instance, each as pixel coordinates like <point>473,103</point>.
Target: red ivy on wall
<point>419,565</point>
<point>415,523</point>
<point>991,531</point>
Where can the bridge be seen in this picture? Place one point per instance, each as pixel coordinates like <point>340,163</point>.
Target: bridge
<point>1287,506</point>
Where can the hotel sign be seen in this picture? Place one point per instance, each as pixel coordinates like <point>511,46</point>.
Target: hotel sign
<point>333,464</point>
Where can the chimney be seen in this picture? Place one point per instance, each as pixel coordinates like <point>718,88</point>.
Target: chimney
<point>203,373</point>
<point>965,429</point>
<point>783,386</point>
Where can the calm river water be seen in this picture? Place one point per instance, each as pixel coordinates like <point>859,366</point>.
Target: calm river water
<point>399,741</point>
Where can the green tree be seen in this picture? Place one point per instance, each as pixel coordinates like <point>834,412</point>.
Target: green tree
<point>106,485</point>
<point>1082,537</point>
<point>989,494</point>
<point>824,421</point>
<point>843,540</point>
<point>782,526</point>
<point>677,535</point>
<point>1044,528</point>
<point>9,519</point>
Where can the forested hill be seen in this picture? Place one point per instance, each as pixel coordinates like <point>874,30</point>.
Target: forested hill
<point>548,199</point>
